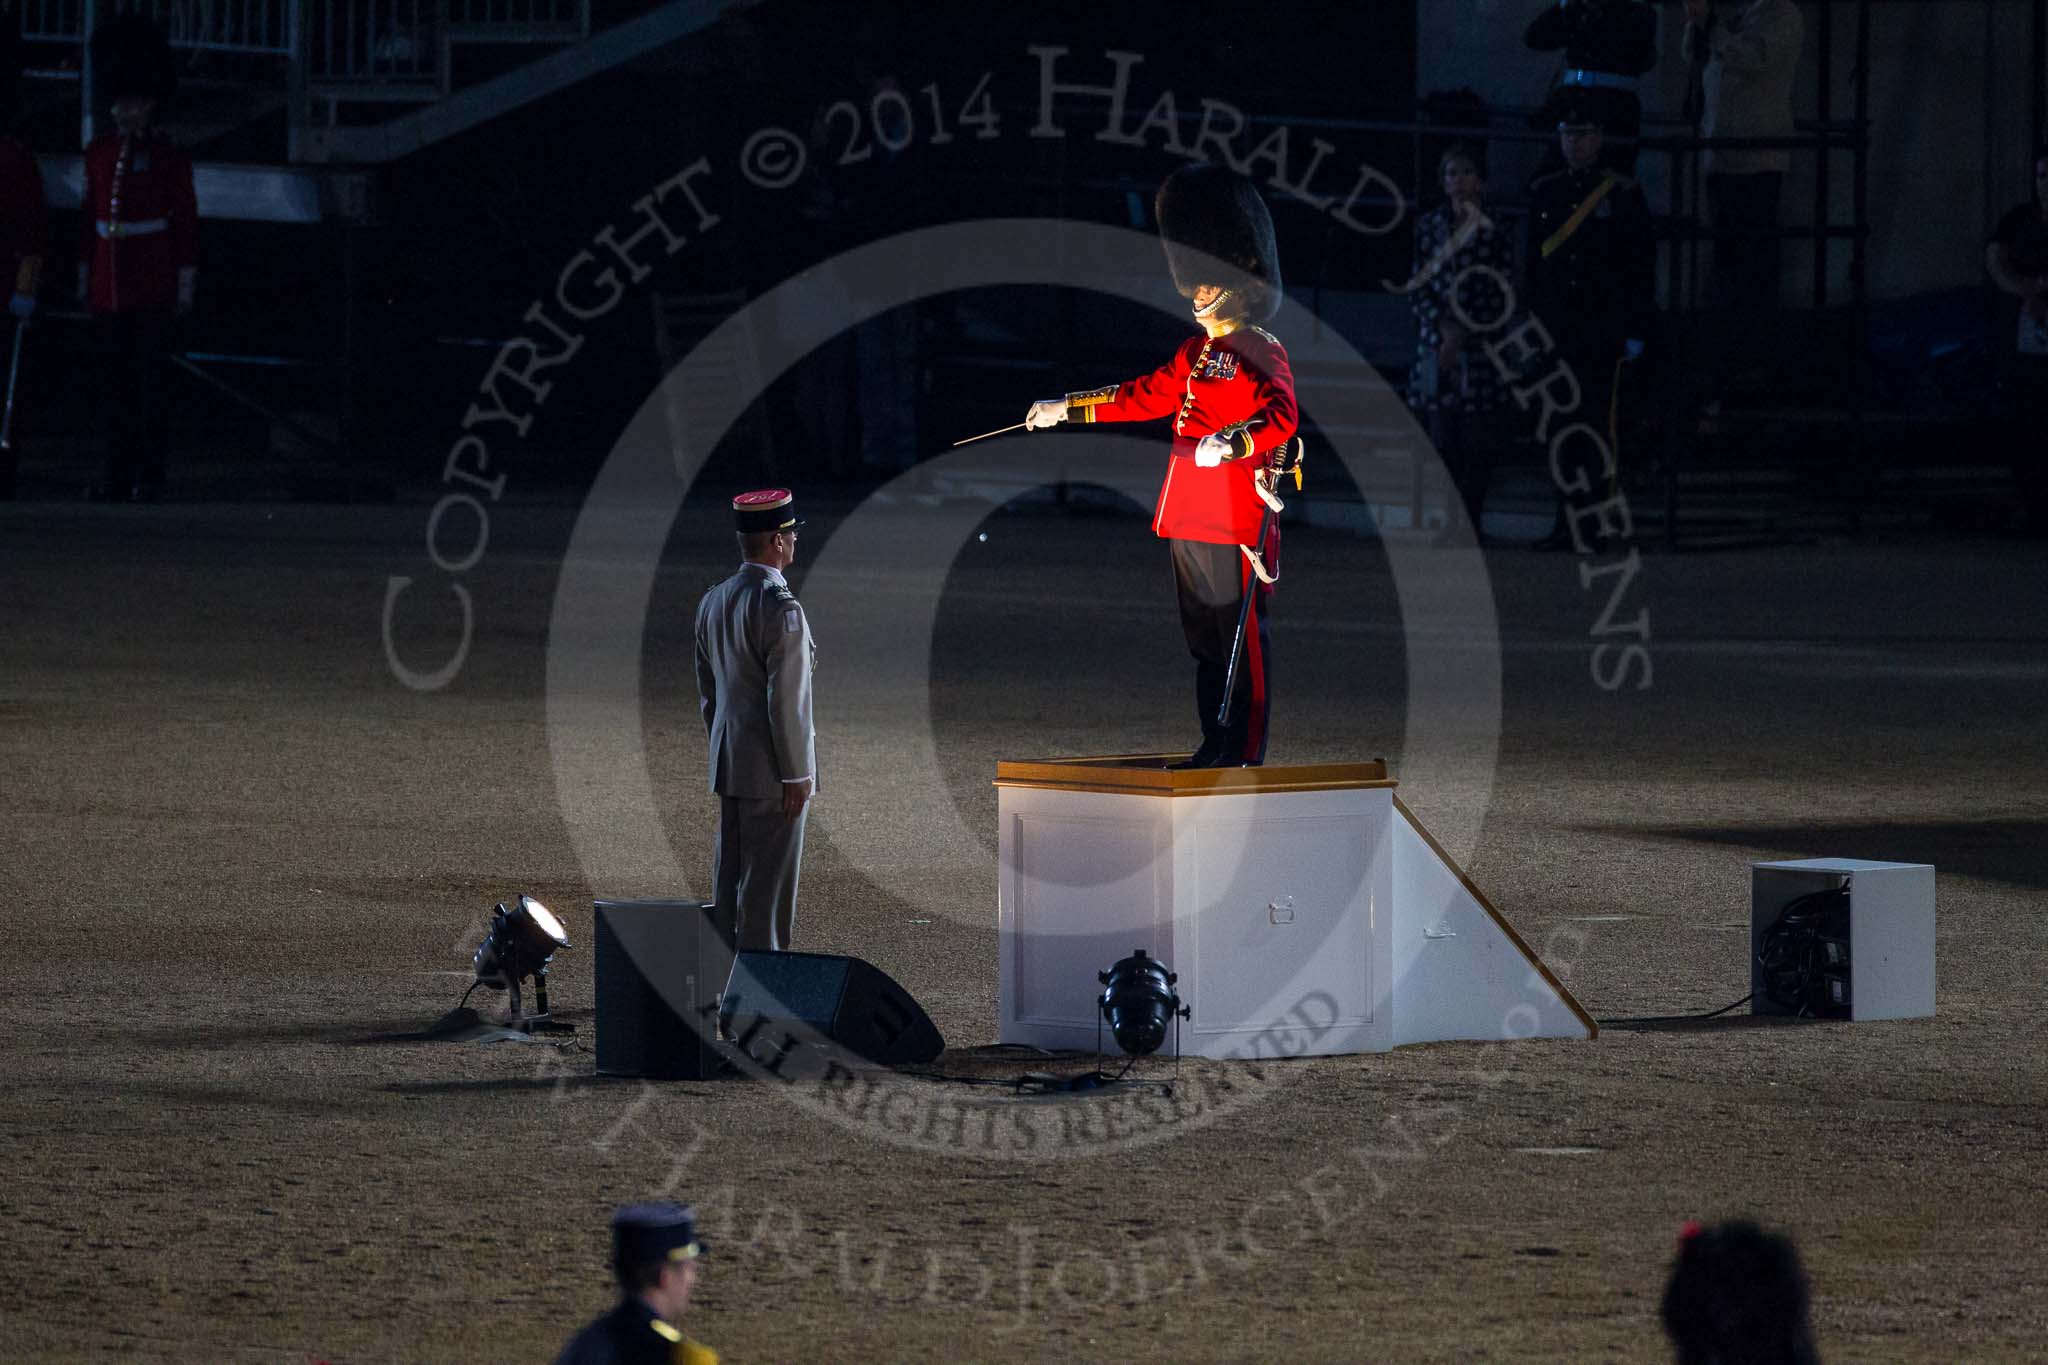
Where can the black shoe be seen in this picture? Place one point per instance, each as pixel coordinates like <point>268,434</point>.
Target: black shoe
<point>1210,755</point>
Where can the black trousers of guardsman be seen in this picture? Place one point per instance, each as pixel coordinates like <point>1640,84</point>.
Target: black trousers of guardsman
<point>1211,582</point>
<point>135,362</point>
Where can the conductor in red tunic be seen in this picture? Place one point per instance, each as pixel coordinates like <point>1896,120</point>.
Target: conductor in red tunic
<point>1230,395</point>
<point>139,253</point>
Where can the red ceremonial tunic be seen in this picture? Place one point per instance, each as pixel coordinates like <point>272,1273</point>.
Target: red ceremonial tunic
<point>1238,387</point>
<point>23,225</point>
<point>140,222</point>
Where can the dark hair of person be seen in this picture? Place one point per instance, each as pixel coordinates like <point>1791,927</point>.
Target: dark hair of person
<point>637,1277</point>
<point>1738,1296</point>
<point>754,544</point>
<point>1459,151</point>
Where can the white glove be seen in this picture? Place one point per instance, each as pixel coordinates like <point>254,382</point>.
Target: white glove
<point>1211,450</point>
<point>1046,412</point>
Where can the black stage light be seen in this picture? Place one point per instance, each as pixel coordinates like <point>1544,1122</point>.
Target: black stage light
<point>522,942</point>
<point>1139,1003</point>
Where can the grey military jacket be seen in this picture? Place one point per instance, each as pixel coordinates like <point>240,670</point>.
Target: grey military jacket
<point>754,660</point>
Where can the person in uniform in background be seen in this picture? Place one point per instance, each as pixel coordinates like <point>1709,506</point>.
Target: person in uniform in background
<point>1749,60</point>
<point>1591,267</point>
<point>754,661</point>
<point>1462,258</point>
<point>2017,257</point>
<point>139,253</point>
<point>24,239</point>
<point>655,1256</point>
<point>1608,45</point>
<point>1230,393</point>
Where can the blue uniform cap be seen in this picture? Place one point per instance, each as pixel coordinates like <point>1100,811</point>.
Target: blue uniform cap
<point>655,1232</point>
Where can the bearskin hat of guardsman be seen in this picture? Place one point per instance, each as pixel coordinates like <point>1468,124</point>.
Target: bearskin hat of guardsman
<point>10,67</point>
<point>1210,211</point>
<point>131,59</point>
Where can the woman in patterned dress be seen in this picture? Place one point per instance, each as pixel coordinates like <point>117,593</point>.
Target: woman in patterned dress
<point>1461,294</point>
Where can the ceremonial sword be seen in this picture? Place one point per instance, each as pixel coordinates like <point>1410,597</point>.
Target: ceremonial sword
<point>1259,574</point>
<point>13,375</point>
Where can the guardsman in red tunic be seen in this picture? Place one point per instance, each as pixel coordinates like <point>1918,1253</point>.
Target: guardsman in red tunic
<point>1230,394</point>
<point>139,252</point>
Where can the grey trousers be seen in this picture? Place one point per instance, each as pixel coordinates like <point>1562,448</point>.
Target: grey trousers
<point>758,856</point>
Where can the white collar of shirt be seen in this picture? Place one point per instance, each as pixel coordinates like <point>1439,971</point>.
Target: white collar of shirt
<point>774,574</point>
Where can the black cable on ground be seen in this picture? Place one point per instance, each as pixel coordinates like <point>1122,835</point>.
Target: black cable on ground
<point>955,1080</point>
<point>1678,1018</point>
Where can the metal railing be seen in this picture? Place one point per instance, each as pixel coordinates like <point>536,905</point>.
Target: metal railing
<point>395,45</point>
<point>259,26</point>
<point>520,20</point>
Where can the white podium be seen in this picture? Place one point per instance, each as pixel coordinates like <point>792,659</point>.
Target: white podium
<point>1304,909</point>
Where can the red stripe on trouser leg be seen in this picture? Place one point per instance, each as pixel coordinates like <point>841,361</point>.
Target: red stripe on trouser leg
<point>1255,665</point>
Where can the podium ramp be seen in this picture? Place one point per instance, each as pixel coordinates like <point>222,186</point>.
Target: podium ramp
<point>1461,971</point>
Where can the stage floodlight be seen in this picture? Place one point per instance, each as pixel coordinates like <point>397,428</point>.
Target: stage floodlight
<point>1139,1003</point>
<point>522,942</point>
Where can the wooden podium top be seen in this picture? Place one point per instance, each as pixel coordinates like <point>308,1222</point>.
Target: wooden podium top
<point>1148,775</point>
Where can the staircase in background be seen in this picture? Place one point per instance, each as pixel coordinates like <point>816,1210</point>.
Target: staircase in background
<point>369,81</point>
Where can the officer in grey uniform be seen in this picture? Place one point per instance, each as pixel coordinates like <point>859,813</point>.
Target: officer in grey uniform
<point>754,661</point>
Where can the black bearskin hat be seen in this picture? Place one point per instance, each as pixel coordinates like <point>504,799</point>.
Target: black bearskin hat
<point>10,66</point>
<point>1738,1293</point>
<point>1209,210</point>
<point>130,57</point>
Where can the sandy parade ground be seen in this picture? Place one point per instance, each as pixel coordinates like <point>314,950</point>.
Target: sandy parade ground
<point>237,853</point>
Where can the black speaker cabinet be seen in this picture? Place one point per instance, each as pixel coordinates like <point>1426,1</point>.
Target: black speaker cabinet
<point>777,1002</point>
<point>660,966</point>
